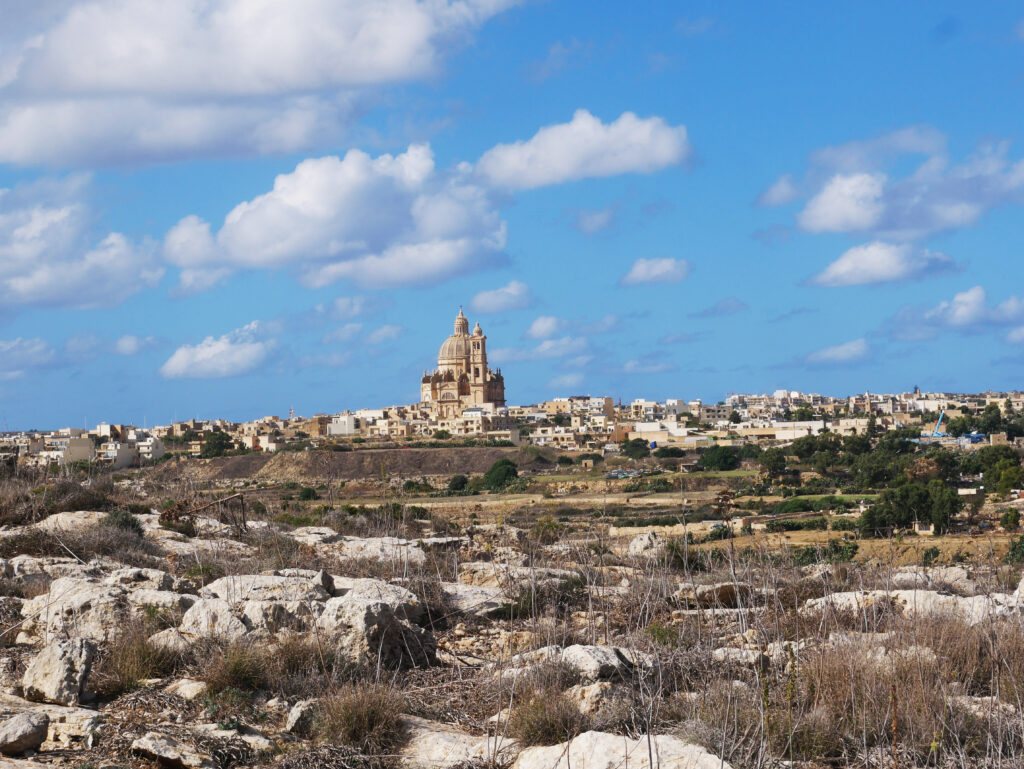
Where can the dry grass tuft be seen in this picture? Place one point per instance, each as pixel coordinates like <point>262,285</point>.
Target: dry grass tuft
<point>366,717</point>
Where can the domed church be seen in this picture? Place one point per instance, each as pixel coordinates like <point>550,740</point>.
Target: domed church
<point>462,379</point>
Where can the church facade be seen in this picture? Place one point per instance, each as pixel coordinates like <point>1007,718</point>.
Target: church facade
<point>462,379</point>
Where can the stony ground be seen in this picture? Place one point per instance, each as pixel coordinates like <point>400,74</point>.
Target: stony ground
<point>378,639</point>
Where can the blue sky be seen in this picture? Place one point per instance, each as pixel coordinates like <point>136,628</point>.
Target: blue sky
<point>229,208</point>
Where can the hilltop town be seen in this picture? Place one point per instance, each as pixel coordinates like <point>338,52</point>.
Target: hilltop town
<point>464,400</point>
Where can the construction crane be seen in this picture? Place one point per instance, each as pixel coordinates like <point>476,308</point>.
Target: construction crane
<point>938,424</point>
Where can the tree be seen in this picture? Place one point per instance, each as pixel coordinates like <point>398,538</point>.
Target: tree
<point>1010,519</point>
<point>441,435</point>
<point>458,483</point>
<point>734,417</point>
<point>500,475</point>
<point>669,452</point>
<point>564,460</point>
<point>720,458</point>
<point>946,504</point>
<point>216,445</point>
<point>803,414</point>
<point>637,448</point>
<point>872,430</point>
<point>773,461</point>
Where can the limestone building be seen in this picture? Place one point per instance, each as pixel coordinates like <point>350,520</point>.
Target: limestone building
<point>462,379</point>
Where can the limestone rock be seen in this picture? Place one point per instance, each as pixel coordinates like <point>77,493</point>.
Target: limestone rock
<point>727,595</point>
<point>300,717</point>
<point>25,731</point>
<point>382,549</point>
<point>600,750</point>
<point>599,701</point>
<point>404,602</point>
<point>59,672</point>
<point>187,688</point>
<point>475,600</point>
<point>172,752</point>
<point>510,577</point>
<point>603,662</point>
<point>430,745</point>
<point>68,726</point>
<point>260,587</point>
<point>369,631</point>
<point>212,617</point>
<point>647,545</point>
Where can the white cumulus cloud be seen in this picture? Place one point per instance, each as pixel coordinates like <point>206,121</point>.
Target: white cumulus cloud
<point>386,333</point>
<point>848,352</point>
<point>566,380</point>
<point>50,253</point>
<point>384,221</point>
<point>515,295</point>
<point>545,326</point>
<point>880,262</point>
<point>845,203</point>
<point>130,344</point>
<point>656,271</point>
<point>586,148</point>
<point>109,81</point>
<point>235,353</point>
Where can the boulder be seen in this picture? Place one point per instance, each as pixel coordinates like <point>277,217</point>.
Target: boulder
<point>404,602</point>
<point>25,731</point>
<point>261,587</point>
<point>475,600</point>
<point>601,750</point>
<point>746,657</point>
<point>369,631</point>
<point>594,663</point>
<point>510,577</point>
<point>68,726</point>
<point>266,618</point>
<point>59,672</point>
<point>727,595</point>
<point>647,545</point>
<point>214,618</point>
<point>170,751</point>
<point>187,688</point>
<point>430,745</point>
<point>300,717</point>
<point>600,701</point>
<point>314,535</point>
<point>381,549</point>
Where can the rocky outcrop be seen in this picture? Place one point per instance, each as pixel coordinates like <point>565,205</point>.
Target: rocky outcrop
<point>600,750</point>
<point>511,578</point>
<point>59,672</point>
<point>23,732</point>
<point>372,631</point>
<point>430,745</point>
<point>921,603</point>
<point>172,752</point>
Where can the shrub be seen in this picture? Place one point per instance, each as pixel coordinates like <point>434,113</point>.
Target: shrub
<point>1016,552</point>
<point>929,556</point>
<point>458,483</point>
<point>307,494</point>
<point>236,665</point>
<point>365,717</point>
<point>500,475</point>
<point>129,658</point>
<point>1010,519</point>
<point>564,460</point>
<point>545,718</point>
<point>124,520</point>
<point>720,458</point>
<point>547,530</point>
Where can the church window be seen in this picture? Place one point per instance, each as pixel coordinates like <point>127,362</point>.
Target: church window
<point>476,372</point>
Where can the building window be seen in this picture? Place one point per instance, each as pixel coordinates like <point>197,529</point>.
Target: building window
<point>476,372</point>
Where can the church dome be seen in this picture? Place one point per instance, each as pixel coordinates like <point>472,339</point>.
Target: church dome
<point>455,347</point>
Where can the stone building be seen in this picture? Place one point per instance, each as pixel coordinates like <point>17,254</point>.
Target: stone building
<point>462,378</point>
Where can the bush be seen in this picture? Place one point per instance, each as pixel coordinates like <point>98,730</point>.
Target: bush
<point>500,475</point>
<point>128,659</point>
<point>1016,552</point>
<point>233,666</point>
<point>929,556</point>
<point>564,460</point>
<point>124,520</point>
<point>545,718</point>
<point>547,530</point>
<point>367,718</point>
<point>637,448</point>
<point>1010,519</point>
<point>307,494</point>
<point>458,483</point>
<point>720,458</point>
